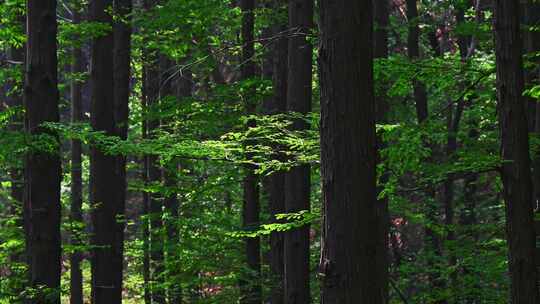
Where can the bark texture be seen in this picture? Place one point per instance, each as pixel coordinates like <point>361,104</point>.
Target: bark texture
<point>106,252</point>
<point>275,183</point>
<point>42,168</point>
<point>515,171</point>
<point>348,154</point>
<point>381,22</point>
<point>297,179</point>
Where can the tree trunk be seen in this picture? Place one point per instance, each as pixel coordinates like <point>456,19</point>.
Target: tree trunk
<point>381,18</point>
<point>145,200</point>
<point>107,255</point>
<point>121,81</point>
<point>250,283</point>
<point>533,45</point>
<point>420,95</point>
<point>76,276</point>
<point>275,183</point>
<point>515,171</point>
<point>154,177</point>
<point>348,154</point>
<point>298,179</point>
<point>42,169</point>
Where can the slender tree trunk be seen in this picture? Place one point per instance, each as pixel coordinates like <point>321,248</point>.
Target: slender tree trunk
<point>146,201</point>
<point>250,284</point>
<point>420,95</point>
<point>275,183</point>
<point>76,276</point>
<point>121,81</point>
<point>515,171</point>
<point>154,176</point>
<point>298,179</point>
<point>107,255</point>
<point>381,18</point>
<point>42,169</point>
<point>348,154</point>
<point>152,85</point>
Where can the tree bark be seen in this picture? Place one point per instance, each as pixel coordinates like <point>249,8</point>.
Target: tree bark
<point>381,20</point>
<point>533,45</point>
<point>298,179</point>
<point>515,170</point>
<point>42,168</point>
<point>275,183</point>
<point>107,255</point>
<point>121,81</point>
<point>348,154</point>
<point>250,283</point>
<point>76,276</point>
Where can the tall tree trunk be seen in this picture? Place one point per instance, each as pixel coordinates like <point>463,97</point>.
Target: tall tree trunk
<point>515,171</point>
<point>348,154</point>
<point>381,19</point>
<point>250,284</point>
<point>145,200</point>
<point>107,256</point>
<point>533,45</point>
<point>76,276</point>
<point>42,169</point>
<point>275,183</point>
<point>298,179</point>
<point>121,81</point>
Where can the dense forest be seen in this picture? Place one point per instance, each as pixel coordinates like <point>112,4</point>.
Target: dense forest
<point>269,151</point>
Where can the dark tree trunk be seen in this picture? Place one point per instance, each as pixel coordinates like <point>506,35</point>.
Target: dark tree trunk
<point>420,95</point>
<point>76,276</point>
<point>515,171</point>
<point>107,254</point>
<point>348,154</point>
<point>381,20</point>
<point>533,45</point>
<point>275,183</point>
<point>121,81</point>
<point>42,169</point>
<point>250,283</point>
<point>297,179</point>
